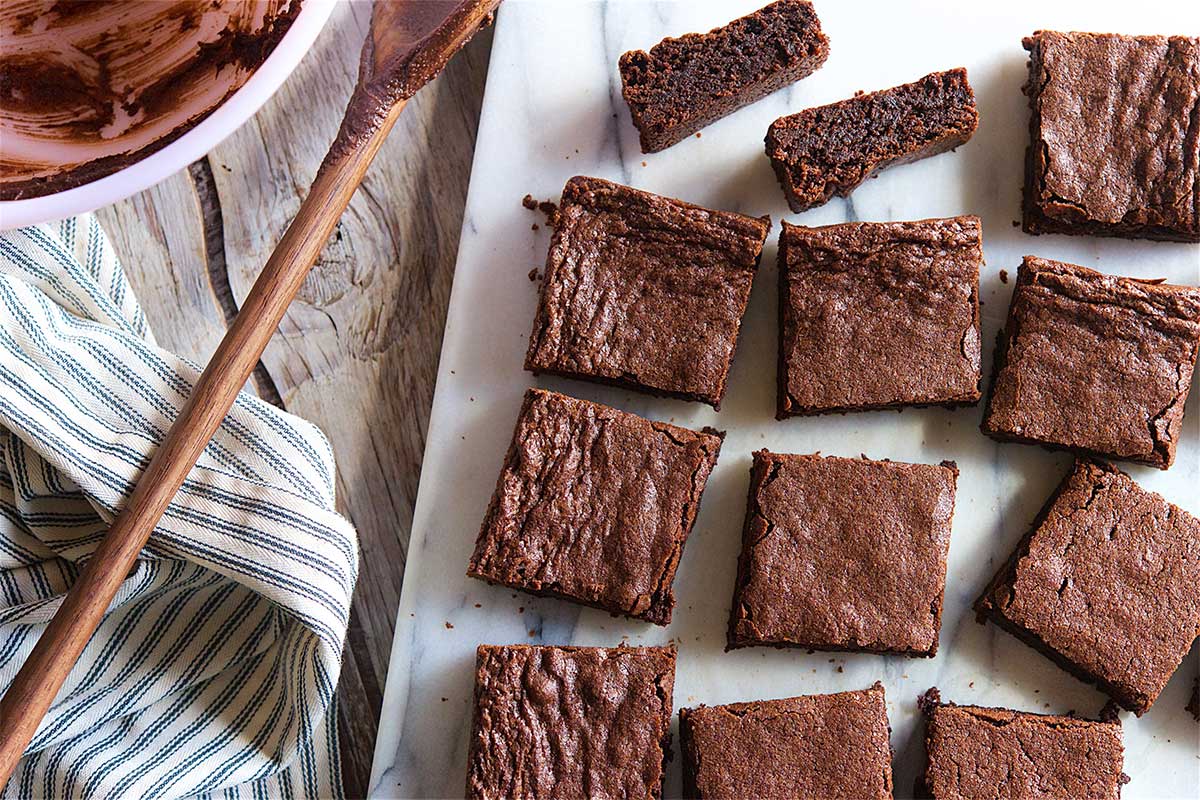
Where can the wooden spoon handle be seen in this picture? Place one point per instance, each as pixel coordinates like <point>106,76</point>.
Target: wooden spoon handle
<point>36,685</point>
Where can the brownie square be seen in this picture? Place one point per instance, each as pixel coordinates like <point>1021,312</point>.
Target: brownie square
<point>684,84</point>
<point>829,150</point>
<point>1113,146</point>
<point>594,505</point>
<point>823,746</point>
<point>1105,584</point>
<point>879,315</point>
<point>843,554</point>
<point>1096,364</point>
<point>643,291</point>
<point>975,753</point>
<point>555,722</point>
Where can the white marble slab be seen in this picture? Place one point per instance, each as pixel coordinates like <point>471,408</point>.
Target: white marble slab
<point>553,110</point>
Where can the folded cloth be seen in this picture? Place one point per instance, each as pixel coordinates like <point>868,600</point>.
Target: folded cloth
<point>213,673</point>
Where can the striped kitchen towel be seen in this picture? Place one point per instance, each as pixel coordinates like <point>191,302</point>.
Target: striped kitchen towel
<point>214,671</point>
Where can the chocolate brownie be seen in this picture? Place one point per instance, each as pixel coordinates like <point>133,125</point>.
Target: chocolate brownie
<point>975,753</point>
<point>1104,584</point>
<point>1095,364</point>
<point>557,722</point>
<point>879,315</point>
<point>843,554</point>
<point>822,746</point>
<point>643,291</point>
<point>1114,145</point>
<point>831,149</point>
<point>594,505</point>
<point>683,84</point>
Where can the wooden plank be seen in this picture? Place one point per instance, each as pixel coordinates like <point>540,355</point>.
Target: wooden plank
<point>358,352</point>
<point>159,237</point>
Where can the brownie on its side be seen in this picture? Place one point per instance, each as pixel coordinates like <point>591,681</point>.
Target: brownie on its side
<point>555,722</point>
<point>822,746</point>
<point>879,315</point>
<point>684,84</point>
<point>594,505</point>
<point>643,291</point>
<point>1096,364</point>
<point>1113,145</point>
<point>1104,584</point>
<point>831,149</point>
<point>843,554</point>
<point>975,753</point>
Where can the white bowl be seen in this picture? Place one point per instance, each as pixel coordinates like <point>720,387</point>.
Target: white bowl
<point>194,144</point>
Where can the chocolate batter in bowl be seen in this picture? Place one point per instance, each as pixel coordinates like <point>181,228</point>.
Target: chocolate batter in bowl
<point>89,88</point>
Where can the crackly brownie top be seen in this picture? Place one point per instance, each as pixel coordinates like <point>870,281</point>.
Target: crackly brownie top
<point>644,290</point>
<point>1095,362</point>
<point>566,722</point>
<point>595,504</point>
<point>680,76</point>
<point>1108,580</point>
<point>984,753</point>
<point>881,313</point>
<point>1116,138</point>
<point>821,746</point>
<point>847,553</point>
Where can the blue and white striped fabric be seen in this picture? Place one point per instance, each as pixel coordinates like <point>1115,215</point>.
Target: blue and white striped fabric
<point>213,673</point>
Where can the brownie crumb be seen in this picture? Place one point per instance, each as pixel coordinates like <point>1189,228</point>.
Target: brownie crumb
<point>1004,276</point>
<point>533,273</point>
<point>547,207</point>
<point>929,700</point>
<point>550,210</point>
<point>1111,712</point>
<point>449,626</point>
<point>1194,705</point>
<point>534,227</point>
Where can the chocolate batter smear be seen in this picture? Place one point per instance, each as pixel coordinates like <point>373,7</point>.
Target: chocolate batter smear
<point>87,87</point>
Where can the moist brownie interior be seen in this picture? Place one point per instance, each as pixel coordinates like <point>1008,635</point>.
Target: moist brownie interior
<point>553,722</point>
<point>594,505</point>
<point>879,315</point>
<point>829,150</point>
<point>643,291</point>
<point>975,753</point>
<point>843,554</point>
<point>1105,584</point>
<point>821,746</point>
<point>684,84</point>
<point>1097,364</point>
<point>1113,147</point>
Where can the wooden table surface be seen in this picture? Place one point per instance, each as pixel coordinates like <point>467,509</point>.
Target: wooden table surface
<point>357,353</point>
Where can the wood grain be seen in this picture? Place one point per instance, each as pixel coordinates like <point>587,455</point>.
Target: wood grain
<point>357,354</point>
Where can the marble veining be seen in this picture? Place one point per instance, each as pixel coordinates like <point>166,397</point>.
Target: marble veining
<point>553,110</point>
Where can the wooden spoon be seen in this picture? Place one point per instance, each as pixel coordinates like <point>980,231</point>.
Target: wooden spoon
<point>408,44</point>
